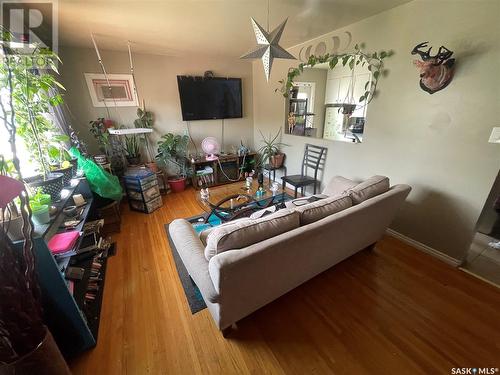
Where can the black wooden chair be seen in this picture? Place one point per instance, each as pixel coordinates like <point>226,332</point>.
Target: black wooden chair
<point>313,159</point>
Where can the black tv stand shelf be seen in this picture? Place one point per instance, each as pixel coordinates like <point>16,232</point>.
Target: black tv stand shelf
<point>225,169</point>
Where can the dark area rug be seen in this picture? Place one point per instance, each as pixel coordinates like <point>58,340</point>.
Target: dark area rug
<point>193,295</point>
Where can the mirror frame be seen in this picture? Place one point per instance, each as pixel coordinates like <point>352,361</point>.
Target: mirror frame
<point>375,62</point>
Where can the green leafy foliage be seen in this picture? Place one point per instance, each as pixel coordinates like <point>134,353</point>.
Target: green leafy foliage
<point>132,146</point>
<point>144,119</point>
<point>34,93</point>
<point>375,62</point>
<point>101,134</point>
<point>172,149</point>
<point>271,146</point>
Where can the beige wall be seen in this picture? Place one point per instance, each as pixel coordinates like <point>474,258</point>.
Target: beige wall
<point>157,84</point>
<point>436,143</point>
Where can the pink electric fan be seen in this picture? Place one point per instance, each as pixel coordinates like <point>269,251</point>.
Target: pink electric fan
<point>211,148</point>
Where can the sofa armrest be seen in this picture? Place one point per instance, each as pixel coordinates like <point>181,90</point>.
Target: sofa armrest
<point>191,251</point>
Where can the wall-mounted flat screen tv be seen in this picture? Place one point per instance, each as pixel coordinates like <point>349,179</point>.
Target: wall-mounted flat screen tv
<point>209,98</point>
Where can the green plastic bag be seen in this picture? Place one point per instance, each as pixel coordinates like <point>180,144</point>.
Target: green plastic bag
<point>100,181</point>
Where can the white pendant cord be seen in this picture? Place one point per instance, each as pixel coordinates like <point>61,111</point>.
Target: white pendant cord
<point>103,68</point>
<point>268,15</point>
<point>240,174</point>
<point>132,72</point>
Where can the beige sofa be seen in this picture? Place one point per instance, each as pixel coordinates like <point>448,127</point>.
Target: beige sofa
<point>236,282</point>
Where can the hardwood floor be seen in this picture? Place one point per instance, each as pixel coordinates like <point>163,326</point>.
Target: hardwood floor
<point>393,310</point>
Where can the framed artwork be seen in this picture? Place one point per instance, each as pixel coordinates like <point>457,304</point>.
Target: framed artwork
<point>118,93</point>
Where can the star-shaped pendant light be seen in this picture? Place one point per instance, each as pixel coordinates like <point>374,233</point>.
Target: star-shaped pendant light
<point>267,47</point>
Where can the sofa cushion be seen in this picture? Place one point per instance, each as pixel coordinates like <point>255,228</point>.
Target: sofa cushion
<point>204,234</point>
<point>338,185</point>
<point>311,212</point>
<point>247,232</point>
<point>369,188</point>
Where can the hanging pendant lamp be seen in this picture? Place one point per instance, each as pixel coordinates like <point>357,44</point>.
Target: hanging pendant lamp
<point>268,47</point>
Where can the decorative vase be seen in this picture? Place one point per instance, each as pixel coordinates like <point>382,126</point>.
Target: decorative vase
<point>260,179</point>
<point>52,184</point>
<point>101,159</point>
<point>276,161</point>
<point>45,359</point>
<point>177,184</point>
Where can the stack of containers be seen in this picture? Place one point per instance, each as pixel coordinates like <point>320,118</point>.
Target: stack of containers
<point>142,190</point>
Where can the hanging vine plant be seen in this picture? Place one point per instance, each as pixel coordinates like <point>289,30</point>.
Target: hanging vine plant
<point>374,61</point>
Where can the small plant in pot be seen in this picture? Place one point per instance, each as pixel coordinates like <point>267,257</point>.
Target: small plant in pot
<point>145,120</point>
<point>133,149</point>
<point>172,152</point>
<point>99,129</point>
<point>60,159</point>
<point>270,151</point>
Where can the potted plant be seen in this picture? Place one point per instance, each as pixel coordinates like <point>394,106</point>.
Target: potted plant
<point>172,151</point>
<point>60,159</point>
<point>99,129</point>
<point>132,148</point>
<point>33,96</point>
<point>270,151</point>
<point>145,120</point>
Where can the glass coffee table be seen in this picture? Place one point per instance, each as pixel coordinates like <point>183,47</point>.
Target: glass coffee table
<point>233,201</point>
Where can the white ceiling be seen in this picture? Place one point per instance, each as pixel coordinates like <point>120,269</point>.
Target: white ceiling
<point>205,27</point>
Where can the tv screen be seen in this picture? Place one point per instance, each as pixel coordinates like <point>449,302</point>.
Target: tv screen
<point>209,98</point>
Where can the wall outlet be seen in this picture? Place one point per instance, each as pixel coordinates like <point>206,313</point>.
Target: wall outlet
<point>495,135</point>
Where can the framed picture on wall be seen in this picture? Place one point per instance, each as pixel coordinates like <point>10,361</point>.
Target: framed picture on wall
<point>116,91</point>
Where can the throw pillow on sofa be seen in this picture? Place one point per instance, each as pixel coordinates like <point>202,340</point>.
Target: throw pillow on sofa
<point>369,188</point>
<point>318,210</point>
<point>245,233</point>
<point>204,234</point>
<point>339,185</point>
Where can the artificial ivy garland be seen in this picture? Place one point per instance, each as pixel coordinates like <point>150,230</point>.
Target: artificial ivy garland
<point>374,60</point>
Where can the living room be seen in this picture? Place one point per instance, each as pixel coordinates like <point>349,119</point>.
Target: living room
<point>250,187</point>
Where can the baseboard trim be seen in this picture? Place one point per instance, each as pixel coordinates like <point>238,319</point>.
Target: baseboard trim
<point>426,249</point>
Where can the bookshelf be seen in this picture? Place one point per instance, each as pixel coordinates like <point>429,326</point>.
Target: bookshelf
<point>73,323</point>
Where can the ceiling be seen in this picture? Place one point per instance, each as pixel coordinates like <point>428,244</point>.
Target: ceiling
<point>203,27</point>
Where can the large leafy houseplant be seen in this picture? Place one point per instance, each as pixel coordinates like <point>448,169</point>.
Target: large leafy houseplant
<point>34,92</point>
<point>172,151</point>
<point>270,152</point>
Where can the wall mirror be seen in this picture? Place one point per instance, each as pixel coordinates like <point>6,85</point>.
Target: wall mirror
<point>325,103</point>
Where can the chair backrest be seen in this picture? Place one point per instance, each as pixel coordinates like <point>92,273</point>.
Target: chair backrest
<point>313,158</point>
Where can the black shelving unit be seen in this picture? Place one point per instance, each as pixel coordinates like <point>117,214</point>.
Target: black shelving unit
<point>73,326</point>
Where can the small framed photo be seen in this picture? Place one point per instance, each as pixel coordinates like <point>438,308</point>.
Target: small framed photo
<point>116,91</point>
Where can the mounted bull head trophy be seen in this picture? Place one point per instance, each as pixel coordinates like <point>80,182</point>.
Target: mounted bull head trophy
<point>436,71</point>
